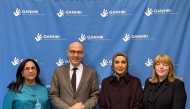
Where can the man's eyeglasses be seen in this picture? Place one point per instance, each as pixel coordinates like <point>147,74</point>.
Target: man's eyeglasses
<point>73,52</point>
<point>28,69</point>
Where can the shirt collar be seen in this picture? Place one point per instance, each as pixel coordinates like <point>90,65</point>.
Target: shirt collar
<point>79,66</point>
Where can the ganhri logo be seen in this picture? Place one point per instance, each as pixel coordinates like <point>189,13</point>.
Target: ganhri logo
<point>105,62</point>
<point>39,37</point>
<point>105,13</point>
<point>126,38</point>
<point>149,62</point>
<point>150,11</point>
<point>18,12</point>
<point>135,37</point>
<point>62,13</point>
<point>17,61</point>
<point>61,62</point>
<point>84,37</point>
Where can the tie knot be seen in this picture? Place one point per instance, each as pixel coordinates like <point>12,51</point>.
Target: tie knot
<point>74,69</point>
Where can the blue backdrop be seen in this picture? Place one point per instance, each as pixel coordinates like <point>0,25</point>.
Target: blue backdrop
<point>43,29</point>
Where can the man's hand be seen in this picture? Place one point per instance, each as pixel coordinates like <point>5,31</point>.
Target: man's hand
<point>79,105</point>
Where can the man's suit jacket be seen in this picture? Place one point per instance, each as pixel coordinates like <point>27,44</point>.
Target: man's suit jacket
<point>62,95</point>
<point>171,95</point>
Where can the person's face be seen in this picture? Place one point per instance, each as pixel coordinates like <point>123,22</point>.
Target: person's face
<point>162,70</point>
<point>29,72</point>
<point>75,54</point>
<point>120,64</point>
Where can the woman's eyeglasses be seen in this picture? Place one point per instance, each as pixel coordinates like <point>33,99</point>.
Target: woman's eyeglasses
<point>28,69</point>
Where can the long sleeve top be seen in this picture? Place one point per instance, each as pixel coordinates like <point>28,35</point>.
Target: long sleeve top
<point>27,98</point>
<point>62,95</point>
<point>170,95</point>
<point>124,94</point>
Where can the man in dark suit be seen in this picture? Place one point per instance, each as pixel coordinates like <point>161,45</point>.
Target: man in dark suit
<point>62,94</point>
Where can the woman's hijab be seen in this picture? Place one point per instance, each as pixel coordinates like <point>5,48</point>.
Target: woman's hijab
<point>115,74</point>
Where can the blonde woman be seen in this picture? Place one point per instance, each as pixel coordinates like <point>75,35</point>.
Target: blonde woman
<point>164,90</point>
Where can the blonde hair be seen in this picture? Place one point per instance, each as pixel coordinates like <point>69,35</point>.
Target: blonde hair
<point>163,58</point>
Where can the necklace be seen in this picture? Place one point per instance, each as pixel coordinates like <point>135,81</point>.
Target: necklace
<point>32,91</point>
<point>33,94</point>
<point>38,104</point>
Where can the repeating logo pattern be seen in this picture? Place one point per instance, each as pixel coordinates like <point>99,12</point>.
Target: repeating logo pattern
<point>151,11</point>
<point>61,62</point>
<point>17,61</point>
<point>39,37</point>
<point>105,62</point>
<point>128,37</point>
<point>149,62</point>
<point>118,12</point>
<point>75,13</point>
<point>84,37</point>
<point>19,12</point>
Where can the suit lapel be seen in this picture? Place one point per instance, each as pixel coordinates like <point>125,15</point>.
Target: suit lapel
<point>83,78</point>
<point>67,77</point>
<point>161,89</point>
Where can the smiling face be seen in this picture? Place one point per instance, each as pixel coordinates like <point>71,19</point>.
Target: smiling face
<point>29,72</point>
<point>163,67</point>
<point>162,70</point>
<point>120,65</point>
<point>75,53</point>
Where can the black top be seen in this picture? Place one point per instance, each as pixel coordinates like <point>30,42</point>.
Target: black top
<point>167,95</point>
<point>152,92</point>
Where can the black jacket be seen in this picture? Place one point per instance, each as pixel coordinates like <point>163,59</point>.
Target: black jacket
<point>168,96</point>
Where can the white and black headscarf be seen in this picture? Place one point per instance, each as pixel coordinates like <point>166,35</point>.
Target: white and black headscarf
<point>115,74</point>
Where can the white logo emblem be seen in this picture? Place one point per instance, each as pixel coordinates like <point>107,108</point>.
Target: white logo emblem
<point>104,13</point>
<point>104,63</point>
<point>126,38</point>
<point>82,38</point>
<point>60,62</point>
<point>15,62</point>
<point>48,86</point>
<point>39,37</point>
<point>61,13</point>
<point>149,12</point>
<point>17,12</point>
<point>149,62</point>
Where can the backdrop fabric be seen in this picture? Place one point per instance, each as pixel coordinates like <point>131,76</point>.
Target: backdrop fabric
<point>43,30</point>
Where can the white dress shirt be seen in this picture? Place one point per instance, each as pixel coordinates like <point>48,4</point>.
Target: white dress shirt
<point>78,73</point>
